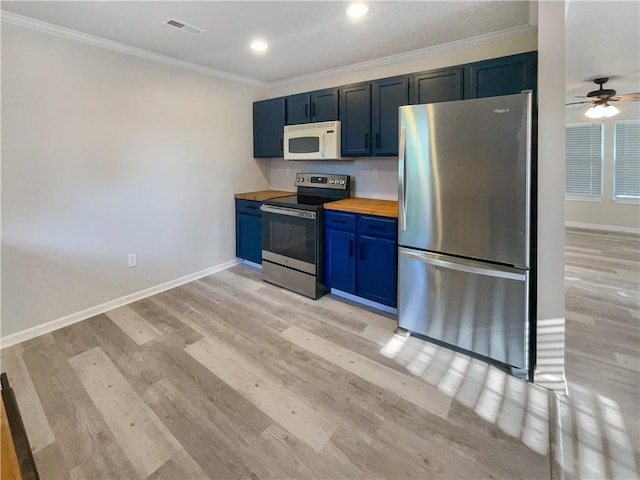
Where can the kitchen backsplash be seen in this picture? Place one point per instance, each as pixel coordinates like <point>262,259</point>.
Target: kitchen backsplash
<point>373,177</point>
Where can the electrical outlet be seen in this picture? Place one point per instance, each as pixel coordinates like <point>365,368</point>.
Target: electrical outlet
<point>132,260</point>
<point>376,174</point>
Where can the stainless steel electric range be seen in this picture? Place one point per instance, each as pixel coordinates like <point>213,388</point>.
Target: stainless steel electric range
<point>292,233</point>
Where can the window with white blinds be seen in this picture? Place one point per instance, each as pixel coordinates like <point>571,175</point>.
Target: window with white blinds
<point>583,149</point>
<point>627,159</point>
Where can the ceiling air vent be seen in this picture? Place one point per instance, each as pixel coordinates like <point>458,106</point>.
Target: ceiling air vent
<point>185,27</point>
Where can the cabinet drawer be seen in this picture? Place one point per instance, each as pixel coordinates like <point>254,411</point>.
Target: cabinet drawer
<point>340,221</point>
<point>378,227</point>
<point>248,207</point>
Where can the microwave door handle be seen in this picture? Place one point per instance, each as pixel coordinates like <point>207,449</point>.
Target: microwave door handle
<point>323,144</point>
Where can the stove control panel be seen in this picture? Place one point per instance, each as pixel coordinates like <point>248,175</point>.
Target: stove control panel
<point>323,180</point>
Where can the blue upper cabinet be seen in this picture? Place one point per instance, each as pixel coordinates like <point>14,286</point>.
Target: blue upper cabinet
<point>355,116</point>
<point>268,128</point>
<point>387,95</point>
<point>319,106</point>
<point>442,85</point>
<point>501,76</point>
<point>324,105</point>
<point>298,108</point>
<point>369,110</point>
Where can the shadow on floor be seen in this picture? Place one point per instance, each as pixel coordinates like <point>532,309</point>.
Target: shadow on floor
<point>585,433</point>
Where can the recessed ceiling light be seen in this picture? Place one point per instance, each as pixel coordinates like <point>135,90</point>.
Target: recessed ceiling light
<point>259,46</point>
<point>357,10</point>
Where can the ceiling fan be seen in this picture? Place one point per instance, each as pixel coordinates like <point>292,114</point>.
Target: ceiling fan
<point>600,98</point>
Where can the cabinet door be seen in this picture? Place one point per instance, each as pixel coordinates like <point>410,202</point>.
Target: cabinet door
<point>501,76</point>
<point>355,116</point>
<point>324,105</point>
<point>298,109</point>
<point>340,261</point>
<point>377,261</point>
<point>268,128</point>
<point>437,86</point>
<point>249,237</point>
<point>386,96</point>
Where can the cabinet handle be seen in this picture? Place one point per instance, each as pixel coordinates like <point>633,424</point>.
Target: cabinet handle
<point>366,140</point>
<point>376,227</point>
<point>306,110</point>
<point>350,248</point>
<point>252,207</point>
<point>362,251</point>
<point>339,221</point>
<point>281,144</point>
<point>315,110</point>
<point>378,140</point>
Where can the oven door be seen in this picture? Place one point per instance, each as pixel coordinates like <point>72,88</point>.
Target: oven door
<point>290,237</point>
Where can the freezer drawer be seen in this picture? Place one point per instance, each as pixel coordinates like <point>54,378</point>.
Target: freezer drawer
<point>473,305</point>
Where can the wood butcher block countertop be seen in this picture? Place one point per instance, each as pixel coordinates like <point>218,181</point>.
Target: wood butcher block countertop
<point>369,206</point>
<point>263,195</point>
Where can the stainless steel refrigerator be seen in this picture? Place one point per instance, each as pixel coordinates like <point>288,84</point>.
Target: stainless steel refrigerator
<point>464,224</point>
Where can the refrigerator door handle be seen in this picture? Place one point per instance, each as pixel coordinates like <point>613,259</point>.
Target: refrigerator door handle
<point>464,265</point>
<point>402,184</point>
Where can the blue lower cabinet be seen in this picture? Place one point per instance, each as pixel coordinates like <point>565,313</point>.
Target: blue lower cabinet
<point>361,255</point>
<point>249,231</point>
<point>340,260</point>
<point>377,266</point>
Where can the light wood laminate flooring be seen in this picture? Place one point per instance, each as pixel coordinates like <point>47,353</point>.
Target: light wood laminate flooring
<point>600,419</point>
<point>230,377</point>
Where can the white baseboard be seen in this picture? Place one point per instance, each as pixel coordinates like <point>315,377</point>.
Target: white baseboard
<point>364,301</point>
<point>604,228</point>
<point>67,320</point>
<point>251,264</point>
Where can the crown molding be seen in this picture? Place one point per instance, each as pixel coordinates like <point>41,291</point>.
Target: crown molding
<point>40,26</point>
<point>415,54</point>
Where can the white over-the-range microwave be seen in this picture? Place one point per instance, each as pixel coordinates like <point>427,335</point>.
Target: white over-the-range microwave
<point>312,141</point>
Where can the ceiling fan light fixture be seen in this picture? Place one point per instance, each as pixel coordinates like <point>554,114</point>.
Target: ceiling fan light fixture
<point>259,46</point>
<point>602,111</point>
<point>357,10</point>
<point>597,111</point>
<point>610,111</point>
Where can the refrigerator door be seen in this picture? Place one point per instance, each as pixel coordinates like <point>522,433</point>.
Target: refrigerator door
<point>464,178</point>
<point>472,305</point>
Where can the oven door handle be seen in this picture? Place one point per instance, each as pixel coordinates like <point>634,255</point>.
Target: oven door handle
<point>289,211</point>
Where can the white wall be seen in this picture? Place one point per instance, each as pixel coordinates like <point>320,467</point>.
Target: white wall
<point>104,154</point>
<point>605,213</point>
<point>282,174</point>
<point>550,238</point>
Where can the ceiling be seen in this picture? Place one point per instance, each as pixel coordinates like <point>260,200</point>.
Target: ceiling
<point>305,37</point>
<point>602,38</point>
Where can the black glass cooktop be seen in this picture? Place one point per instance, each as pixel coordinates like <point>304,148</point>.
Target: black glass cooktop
<point>305,202</point>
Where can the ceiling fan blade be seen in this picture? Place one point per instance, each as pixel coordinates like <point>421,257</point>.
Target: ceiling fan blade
<point>627,97</point>
<point>577,103</point>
